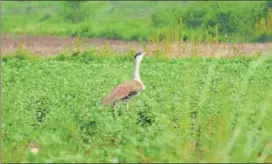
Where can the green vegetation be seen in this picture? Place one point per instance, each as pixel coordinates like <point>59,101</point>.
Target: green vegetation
<point>193,109</point>
<point>153,21</point>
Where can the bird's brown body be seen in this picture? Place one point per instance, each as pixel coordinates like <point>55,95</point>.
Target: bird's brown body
<point>123,91</point>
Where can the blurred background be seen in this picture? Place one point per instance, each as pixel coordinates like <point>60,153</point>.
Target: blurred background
<point>244,21</point>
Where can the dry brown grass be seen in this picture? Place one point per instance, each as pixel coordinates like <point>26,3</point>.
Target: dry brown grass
<point>50,45</point>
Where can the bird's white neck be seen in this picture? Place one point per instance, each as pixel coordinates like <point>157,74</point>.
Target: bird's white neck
<point>136,75</point>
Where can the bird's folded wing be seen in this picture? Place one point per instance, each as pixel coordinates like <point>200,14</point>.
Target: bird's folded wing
<point>122,91</point>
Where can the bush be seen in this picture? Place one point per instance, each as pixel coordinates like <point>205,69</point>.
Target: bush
<point>72,11</point>
<point>207,21</point>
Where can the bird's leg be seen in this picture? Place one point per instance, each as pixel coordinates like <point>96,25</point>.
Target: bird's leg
<point>115,107</point>
<point>126,106</point>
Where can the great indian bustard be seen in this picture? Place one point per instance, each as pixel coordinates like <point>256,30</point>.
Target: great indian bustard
<point>124,92</point>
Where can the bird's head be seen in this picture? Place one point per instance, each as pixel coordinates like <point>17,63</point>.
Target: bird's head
<point>139,56</point>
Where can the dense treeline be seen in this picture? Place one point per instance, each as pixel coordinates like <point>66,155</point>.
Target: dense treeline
<point>193,21</point>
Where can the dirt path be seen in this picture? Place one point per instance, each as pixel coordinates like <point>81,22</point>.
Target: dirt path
<point>51,45</point>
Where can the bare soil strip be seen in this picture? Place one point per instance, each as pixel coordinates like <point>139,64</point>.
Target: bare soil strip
<point>51,45</point>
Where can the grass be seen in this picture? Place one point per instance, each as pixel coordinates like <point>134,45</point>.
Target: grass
<point>194,109</point>
<point>207,21</point>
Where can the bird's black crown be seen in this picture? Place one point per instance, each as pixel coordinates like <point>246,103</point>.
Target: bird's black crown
<point>137,54</point>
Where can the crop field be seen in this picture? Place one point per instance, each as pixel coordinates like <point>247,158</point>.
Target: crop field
<point>193,109</point>
<point>207,77</point>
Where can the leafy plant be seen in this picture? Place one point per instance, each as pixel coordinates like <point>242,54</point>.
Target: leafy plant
<point>193,109</point>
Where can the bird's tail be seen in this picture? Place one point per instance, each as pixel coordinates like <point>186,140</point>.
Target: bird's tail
<point>105,102</point>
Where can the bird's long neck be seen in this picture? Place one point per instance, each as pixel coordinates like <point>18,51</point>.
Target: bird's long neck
<point>136,75</point>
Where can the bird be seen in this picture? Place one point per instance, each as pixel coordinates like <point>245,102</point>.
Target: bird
<point>127,90</point>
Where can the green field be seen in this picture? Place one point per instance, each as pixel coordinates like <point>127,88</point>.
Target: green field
<point>192,110</point>
<point>201,21</point>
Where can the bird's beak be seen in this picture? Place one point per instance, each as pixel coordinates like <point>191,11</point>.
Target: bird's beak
<point>144,53</point>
